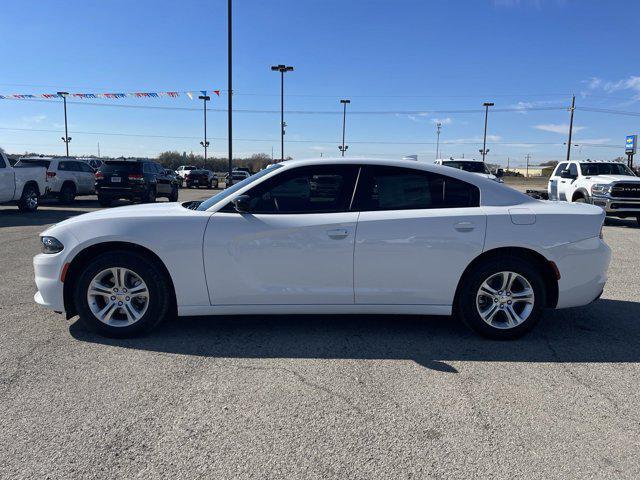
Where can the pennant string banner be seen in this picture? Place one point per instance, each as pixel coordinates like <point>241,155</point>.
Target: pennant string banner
<point>189,94</point>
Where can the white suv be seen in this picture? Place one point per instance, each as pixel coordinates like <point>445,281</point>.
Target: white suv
<point>610,185</point>
<point>66,177</point>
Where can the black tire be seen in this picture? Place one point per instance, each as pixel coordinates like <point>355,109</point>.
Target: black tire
<point>67,193</point>
<point>173,197</point>
<point>580,200</point>
<point>30,199</point>
<point>160,296</point>
<point>104,201</point>
<point>149,196</point>
<point>638,220</point>
<point>467,307</point>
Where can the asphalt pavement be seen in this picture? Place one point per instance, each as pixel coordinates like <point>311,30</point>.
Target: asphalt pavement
<point>366,397</point>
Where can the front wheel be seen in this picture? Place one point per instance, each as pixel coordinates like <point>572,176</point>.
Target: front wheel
<point>67,194</point>
<point>29,200</point>
<point>502,299</point>
<point>580,200</point>
<point>104,201</point>
<point>150,196</point>
<point>122,294</point>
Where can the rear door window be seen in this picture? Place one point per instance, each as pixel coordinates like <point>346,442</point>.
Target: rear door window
<point>396,188</point>
<point>28,162</point>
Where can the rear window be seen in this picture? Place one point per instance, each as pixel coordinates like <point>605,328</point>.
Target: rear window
<point>121,167</point>
<point>35,162</point>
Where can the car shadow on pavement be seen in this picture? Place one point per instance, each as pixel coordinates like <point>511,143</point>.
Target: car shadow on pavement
<point>621,222</point>
<point>606,331</point>
<point>12,217</point>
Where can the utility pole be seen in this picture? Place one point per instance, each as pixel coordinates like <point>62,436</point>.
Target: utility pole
<point>484,150</point>
<point>282,68</point>
<point>343,147</point>
<point>528,157</point>
<point>98,149</point>
<point>573,107</point>
<point>205,143</point>
<point>66,139</point>
<point>230,91</point>
<point>438,128</point>
<point>508,159</point>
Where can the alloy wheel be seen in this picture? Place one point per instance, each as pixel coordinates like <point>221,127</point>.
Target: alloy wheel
<point>118,297</point>
<point>505,300</point>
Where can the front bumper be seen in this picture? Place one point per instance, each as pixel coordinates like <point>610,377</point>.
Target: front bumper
<point>48,269</point>
<point>618,206</point>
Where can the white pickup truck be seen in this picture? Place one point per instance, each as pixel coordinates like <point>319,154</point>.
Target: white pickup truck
<point>610,185</point>
<point>23,186</point>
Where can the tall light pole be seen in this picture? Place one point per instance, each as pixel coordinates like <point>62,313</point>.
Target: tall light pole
<point>438,128</point>
<point>484,150</point>
<point>66,139</point>
<point>230,91</point>
<point>573,107</point>
<point>282,69</point>
<point>205,143</point>
<point>344,147</point>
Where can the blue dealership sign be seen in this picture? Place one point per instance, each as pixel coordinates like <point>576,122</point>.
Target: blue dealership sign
<point>631,144</point>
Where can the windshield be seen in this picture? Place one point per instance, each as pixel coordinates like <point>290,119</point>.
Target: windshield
<point>612,168</point>
<point>474,167</point>
<point>32,162</point>
<point>234,188</point>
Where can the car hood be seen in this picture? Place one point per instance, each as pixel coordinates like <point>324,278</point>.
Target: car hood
<point>126,212</point>
<point>613,178</point>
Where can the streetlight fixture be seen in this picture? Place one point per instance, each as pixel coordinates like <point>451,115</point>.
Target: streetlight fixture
<point>484,150</point>
<point>438,128</point>
<point>205,143</point>
<point>282,69</point>
<point>66,139</point>
<point>343,148</point>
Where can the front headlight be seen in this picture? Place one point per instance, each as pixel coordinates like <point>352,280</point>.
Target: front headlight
<point>600,189</point>
<point>51,245</point>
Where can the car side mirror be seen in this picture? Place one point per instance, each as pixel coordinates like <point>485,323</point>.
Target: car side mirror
<point>499,173</point>
<point>242,203</point>
<point>565,174</point>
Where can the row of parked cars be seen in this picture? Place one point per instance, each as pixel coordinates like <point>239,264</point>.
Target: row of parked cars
<point>64,178</point>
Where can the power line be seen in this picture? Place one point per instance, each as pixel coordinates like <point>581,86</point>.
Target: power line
<point>372,142</point>
<point>425,111</point>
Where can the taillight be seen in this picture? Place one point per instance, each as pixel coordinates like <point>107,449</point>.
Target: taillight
<point>51,174</point>
<point>99,176</point>
<point>135,176</point>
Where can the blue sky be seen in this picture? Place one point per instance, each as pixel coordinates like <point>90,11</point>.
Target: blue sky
<point>434,58</point>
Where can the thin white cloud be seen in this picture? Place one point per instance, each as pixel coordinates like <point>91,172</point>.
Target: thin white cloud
<point>591,141</point>
<point>472,140</point>
<point>34,119</point>
<point>443,121</point>
<point>562,128</point>
<point>318,148</point>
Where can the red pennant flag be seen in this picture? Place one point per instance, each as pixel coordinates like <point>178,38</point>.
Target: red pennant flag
<point>217,92</point>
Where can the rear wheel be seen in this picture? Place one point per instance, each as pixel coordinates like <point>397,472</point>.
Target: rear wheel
<point>580,200</point>
<point>502,299</point>
<point>67,193</point>
<point>122,294</point>
<point>104,201</point>
<point>150,196</point>
<point>29,199</point>
<point>174,194</point>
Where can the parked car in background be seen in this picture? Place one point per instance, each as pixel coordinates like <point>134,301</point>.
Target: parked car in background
<point>236,176</point>
<point>23,185</point>
<point>201,178</point>
<point>94,163</point>
<point>142,180</point>
<point>393,237</point>
<point>473,166</point>
<point>67,177</point>
<point>183,170</point>
<point>610,185</point>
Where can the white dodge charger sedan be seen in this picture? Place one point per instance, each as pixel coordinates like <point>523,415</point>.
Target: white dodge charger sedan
<point>329,236</point>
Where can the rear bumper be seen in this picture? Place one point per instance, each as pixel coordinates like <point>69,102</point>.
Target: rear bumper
<point>120,192</point>
<point>583,271</point>
<point>623,207</point>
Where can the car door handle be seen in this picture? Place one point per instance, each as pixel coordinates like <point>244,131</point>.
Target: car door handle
<point>464,226</point>
<point>338,233</point>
